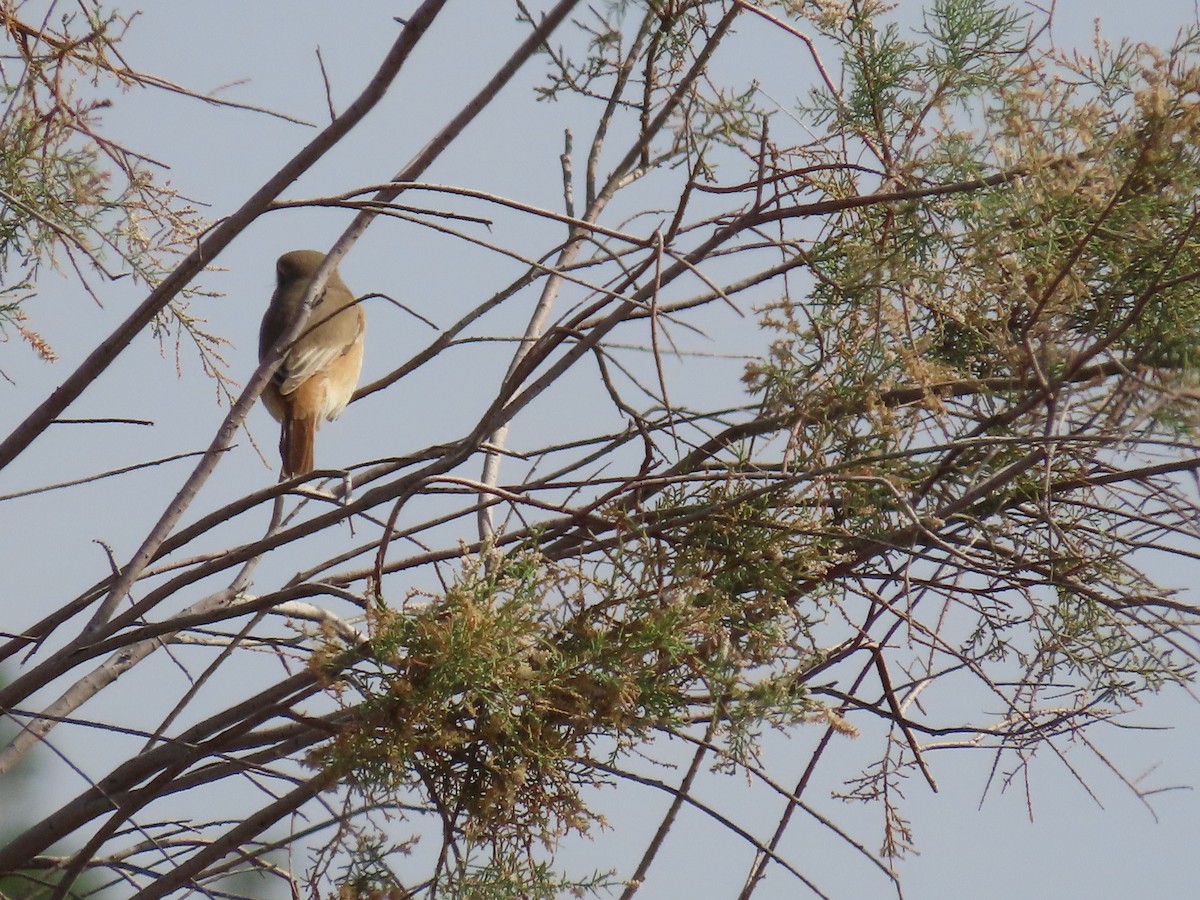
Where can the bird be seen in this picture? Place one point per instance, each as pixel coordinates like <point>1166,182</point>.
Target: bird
<point>320,370</point>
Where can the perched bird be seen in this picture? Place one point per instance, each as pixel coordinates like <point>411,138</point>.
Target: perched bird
<point>320,370</point>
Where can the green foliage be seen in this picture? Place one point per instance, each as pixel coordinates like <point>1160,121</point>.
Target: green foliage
<point>1043,223</point>
<point>489,701</point>
<point>1002,309</point>
<point>1079,636</point>
<point>467,700</point>
<point>67,191</point>
<point>937,514</point>
<point>509,879</point>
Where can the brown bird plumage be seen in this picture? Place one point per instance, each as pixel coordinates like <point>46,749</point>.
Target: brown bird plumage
<point>320,370</point>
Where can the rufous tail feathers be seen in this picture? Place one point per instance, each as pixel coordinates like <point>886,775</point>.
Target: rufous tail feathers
<point>296,445</point>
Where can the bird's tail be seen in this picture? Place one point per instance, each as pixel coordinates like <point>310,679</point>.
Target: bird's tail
<point>296,445</point>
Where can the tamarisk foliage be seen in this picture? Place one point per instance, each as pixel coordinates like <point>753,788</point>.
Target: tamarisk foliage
<point>864,414</point>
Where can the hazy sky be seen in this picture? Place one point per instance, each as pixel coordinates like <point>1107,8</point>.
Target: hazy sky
<point>264,53</point>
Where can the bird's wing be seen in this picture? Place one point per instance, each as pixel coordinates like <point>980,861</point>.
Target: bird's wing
<point>316,350</point>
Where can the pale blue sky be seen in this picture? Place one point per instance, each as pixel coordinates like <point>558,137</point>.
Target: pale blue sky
<point>1073,848</point>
